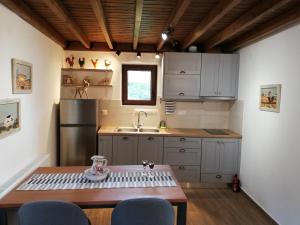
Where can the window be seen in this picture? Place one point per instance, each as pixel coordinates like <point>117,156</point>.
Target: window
<point>139,84</point>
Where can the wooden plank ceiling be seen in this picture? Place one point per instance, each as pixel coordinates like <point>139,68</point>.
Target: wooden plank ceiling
<point>136,25</point>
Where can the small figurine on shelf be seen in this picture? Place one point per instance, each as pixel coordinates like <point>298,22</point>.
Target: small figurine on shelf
<point>104,81</point>
<point>107,63</point>
<point>82,89</point>
<point>81,62</point>
<point>94,62</point>
<point>67,80</point>
<point>70,61</point>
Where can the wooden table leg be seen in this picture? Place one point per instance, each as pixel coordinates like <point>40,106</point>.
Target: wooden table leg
<point>181,213</point>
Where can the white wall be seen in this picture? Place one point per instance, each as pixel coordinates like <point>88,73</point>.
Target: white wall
<point>270,161</point>
<point>37,137</point>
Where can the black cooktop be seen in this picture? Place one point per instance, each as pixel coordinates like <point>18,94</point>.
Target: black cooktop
<point>216,131</point>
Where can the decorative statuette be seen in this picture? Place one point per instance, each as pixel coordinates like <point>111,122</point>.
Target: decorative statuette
<point>107,63</point>
<point>94,62</point>
<point>70,61</point>
<point>81,62</point>
<point>80,90</point>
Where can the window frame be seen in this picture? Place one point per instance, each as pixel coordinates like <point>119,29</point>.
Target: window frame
<point>139,67</point>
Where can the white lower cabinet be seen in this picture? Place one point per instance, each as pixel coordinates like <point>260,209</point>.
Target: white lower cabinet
<point>151,148</point>
<point>125,150</point>
<point>184,156</point>
<point>187,173</point>
<point>220,160</point>
<point>105,144</point>
<point>209,160</point>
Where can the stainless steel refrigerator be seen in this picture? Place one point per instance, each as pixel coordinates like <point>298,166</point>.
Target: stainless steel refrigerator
<point>78,131</point>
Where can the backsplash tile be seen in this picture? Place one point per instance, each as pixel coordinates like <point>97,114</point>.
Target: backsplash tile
<point>187,114</point>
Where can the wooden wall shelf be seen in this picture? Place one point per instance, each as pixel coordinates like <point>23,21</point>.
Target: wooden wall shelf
<point>92,85</point>
<point>87,70</point>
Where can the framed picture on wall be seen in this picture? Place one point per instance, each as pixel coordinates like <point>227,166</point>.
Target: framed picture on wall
<point>21,77</point>
<point>270,97</point>
<point>9,116</point>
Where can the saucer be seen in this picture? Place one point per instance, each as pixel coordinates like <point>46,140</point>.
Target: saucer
<point>90,175</point>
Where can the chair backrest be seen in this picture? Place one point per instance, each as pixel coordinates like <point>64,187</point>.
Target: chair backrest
<point>2,217</point>
<point>143,211</point>
<point>51,213</point>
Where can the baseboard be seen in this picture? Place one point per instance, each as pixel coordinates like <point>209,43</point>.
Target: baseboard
<point>43,160</point>
<point>259,205</point>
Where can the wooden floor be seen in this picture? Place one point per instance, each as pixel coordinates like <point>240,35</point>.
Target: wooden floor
<point>208,207</point>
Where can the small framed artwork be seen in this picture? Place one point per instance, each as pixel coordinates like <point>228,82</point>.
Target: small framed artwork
<point>21,77</point>
<point>270,97</point>
<point>9,116</point>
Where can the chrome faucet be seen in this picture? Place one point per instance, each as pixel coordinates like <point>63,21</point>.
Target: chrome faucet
<point>139,125</point>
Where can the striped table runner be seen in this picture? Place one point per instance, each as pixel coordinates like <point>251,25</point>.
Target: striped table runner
<point>130,179</point>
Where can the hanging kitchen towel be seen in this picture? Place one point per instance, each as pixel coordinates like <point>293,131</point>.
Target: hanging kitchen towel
<point>170,107</point>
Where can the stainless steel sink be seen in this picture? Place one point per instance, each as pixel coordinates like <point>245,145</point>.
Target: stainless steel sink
<point>127,129</point>
<point>136,130</point>
<point>150,130</point>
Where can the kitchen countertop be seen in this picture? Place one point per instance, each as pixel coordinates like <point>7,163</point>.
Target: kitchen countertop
<point>170,132</point>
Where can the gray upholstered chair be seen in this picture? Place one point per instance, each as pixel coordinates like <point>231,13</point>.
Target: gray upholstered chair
<point>51,213</point>
<point>143,211</point>
<point>2,217</point>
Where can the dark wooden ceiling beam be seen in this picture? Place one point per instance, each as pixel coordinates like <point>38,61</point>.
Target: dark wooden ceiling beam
<point>99,13</point>
<point>175,17</point>
<point>215,15</point>
<point>62,13</point>
<point>137,23</point>
<point>275,25</point>
<point>123,47</point>
<point>31,17</point>
<point>250,17</point>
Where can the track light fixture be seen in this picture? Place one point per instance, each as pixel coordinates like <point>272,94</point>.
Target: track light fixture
<point>138,55</point>
<point>118,52</point>
<point>165,34</point>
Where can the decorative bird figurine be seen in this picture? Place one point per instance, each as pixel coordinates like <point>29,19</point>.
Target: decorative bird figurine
<point>94,62</point>
<point>70,60</point>
<point>107,63</point>
<point>81,62</point>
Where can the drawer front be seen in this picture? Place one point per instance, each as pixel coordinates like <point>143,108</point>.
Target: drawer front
<point>187,173</point>
<point>182,142</point>
<point>216,178</point>
<point>182,156</point>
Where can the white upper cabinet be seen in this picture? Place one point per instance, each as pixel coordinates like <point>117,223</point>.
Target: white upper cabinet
<point>181,87</point>
<point>210,74</point>
<point>228,79</point>
<point>219,75</point>
<point>178,63</point>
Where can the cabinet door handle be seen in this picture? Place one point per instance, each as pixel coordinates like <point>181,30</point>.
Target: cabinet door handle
<point>181,94</point>
<point>182,72</point>
<point>181,167</point>
<point>124,138</point>
<point>150,138</point>
<point>182,139</point>
<point>219,176</point>
<point>182,150</point>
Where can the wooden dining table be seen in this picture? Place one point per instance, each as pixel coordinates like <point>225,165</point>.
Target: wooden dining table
<point>99,198</point>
